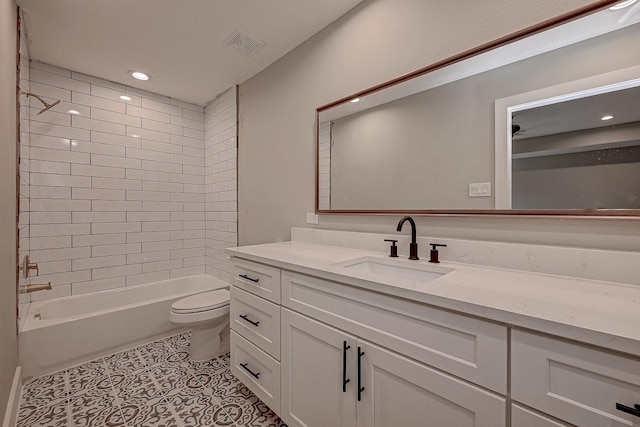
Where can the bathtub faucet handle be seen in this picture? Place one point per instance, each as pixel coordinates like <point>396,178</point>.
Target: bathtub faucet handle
<point>27,266</point>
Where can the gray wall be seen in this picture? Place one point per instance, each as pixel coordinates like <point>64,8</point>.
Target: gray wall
<point>414,153</point>
<point>8,352</point>
<point>600,179</point>
<point>377,41</point>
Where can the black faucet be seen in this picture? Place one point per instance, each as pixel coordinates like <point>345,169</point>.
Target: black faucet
<point>413,247</point>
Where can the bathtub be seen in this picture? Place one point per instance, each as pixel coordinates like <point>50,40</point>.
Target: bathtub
<point>64,332</point>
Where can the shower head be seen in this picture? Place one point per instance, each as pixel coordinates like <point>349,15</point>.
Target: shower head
<point>47,106</point>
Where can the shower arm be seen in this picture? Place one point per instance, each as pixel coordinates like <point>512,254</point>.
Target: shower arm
<point>47,106</point>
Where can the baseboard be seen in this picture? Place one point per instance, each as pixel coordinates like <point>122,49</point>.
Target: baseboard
<point>11,415</point>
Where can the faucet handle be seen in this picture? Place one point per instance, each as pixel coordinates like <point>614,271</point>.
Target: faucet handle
<point>434,252</point>
<point>27,266</point>
<point>393,248</point>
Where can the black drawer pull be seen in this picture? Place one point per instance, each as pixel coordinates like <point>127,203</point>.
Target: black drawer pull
<point>244,276</point>
<point>246,318</point>
<point>256,375</point>
<point>345,380</point>
<point>360,388</point>
<point>629,410</point>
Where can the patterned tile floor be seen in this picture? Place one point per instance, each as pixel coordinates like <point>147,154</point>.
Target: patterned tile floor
<point>151,385</point>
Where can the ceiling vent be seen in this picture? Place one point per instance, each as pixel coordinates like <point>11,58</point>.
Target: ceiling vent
<point>243,42</point>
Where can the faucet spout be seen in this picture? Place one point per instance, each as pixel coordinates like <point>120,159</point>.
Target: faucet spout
<point>413,247</point>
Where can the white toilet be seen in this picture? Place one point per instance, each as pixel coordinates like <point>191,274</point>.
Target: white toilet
<point>207,314</point>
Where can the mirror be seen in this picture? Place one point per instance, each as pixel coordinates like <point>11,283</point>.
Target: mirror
<point>440,140</point>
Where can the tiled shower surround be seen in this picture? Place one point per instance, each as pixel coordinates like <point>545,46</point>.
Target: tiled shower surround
<point>151,385</point>
<point>220,180</point>
<point>23,139</point>
<point>324,163</point>
<point>124,192</point>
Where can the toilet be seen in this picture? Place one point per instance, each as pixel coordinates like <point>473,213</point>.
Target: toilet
<point>207,315</point>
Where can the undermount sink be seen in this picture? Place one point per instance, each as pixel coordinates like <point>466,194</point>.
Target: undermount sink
<point>409,270</point>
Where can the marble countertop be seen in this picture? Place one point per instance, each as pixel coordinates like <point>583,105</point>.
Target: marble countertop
<point>605,314</point>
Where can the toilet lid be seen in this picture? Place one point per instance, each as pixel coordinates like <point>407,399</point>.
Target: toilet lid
<point>202,302</point>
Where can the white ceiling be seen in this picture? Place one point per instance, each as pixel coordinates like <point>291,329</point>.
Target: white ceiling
<point>580,114</point>
<point>179,43</point>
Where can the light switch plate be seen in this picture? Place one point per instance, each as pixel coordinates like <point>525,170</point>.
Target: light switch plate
<point>480,189</point>
<point>312,218</point>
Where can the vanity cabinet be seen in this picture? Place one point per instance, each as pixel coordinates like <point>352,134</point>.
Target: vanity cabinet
<point>573,382</point>
<point>355,357</point>
<point>330,377</point>
<point>255,329</point>
<point>336,368</point>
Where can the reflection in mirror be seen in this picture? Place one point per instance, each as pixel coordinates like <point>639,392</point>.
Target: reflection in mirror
<point>578,154</point>
<point>429,143</point>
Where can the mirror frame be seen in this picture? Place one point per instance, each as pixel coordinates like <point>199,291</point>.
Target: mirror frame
<point>535,29</point>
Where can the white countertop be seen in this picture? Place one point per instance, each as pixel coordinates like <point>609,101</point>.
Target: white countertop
<point>605,314</point>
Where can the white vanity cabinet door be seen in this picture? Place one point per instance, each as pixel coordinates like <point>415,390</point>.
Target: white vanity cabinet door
<point>523,417</point>
<point>577,384</point>
<point>257,320</point>
<point>401,392</point>
<point>312,374</point>
<point>258,279</point>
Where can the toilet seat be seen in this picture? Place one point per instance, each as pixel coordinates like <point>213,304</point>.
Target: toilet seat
<point>205,301</point>
<point>201,309</point>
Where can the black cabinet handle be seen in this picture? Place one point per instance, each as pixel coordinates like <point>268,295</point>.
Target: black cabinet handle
<point>345,380</point>
<point>360,388</point>
<point>244,276</point>
<point>256,375</point>
<point>246,319</point>
<point>635,411</point>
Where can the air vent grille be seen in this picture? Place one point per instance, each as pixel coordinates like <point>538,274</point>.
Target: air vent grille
<point>243,42</point>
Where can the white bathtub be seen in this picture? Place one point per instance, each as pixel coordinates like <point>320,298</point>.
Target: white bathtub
<point>64,332</point>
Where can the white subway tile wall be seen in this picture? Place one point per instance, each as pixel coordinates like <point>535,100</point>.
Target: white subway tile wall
<point>126,192</point>
<point>220,178</point>
<point>25,167</point>
<point>324,156</point>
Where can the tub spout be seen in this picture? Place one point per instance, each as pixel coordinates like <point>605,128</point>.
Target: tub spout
<point>27,289</point>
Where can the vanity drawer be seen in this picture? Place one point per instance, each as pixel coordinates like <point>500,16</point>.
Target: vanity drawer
<point>575,383</point>
<point>257,370</point>
<point>466,347</point>
<point>523,417</point>
<point>258,279</point>
<point>257,320</point>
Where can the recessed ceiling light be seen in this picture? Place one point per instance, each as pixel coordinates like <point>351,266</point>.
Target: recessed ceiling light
<point>623,4</point>
<point>125,98</point>
<point>74,112</point>
<point>139,75</point>
<point>354,100</point>
<point>607,118</point>
<point>135,136</point>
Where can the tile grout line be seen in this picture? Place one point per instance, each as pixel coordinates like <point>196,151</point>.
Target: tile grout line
<point>155,382</point>
<point>213,396</point>
<point>67,385</point>
<point>113,390</point>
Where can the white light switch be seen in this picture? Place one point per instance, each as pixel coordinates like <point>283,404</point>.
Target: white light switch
<point>312,218</point>
<point>480,189</point>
